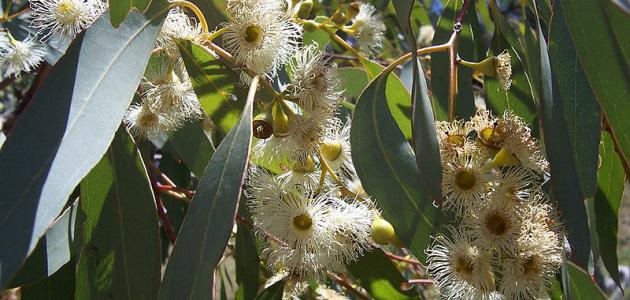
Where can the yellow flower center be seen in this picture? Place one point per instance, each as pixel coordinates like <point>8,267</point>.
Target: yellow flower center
<point>532,265</point>
<point>492,136</point>
<point>465,179</point>
<point>331,151</point>
<point>456,139</point>
<point>463,265</point>
<point>147,118</point>
<point>304,166</point>
<point>253,34</point>
<point>303,222</point>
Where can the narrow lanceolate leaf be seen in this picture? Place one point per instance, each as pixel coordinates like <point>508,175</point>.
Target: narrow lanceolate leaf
<point>54,250</point>
<point>67,128</point>
<point>582,286</point>
<point>208,224</point>
<point>580,108</point>
<point>425,140</point>
<point>440,62</point>
<point>193,146</point>
<point>387,168</point>
<point>610,184</point>
<point>120,256</point>
<point>563,167</point>
<point>600,51</point>
<point>58,286</point>
<point>215,85</point>
<point>379,277</point>
<point>119,9</point>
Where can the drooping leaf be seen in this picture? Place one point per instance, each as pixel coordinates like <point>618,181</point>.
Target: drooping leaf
<point>193,146</point>
<point>119,9</point>
<point>208,224</point>
<point>387,168</point>
<point>215,85</point>
<point>610,185</point>
<point>120,256</point>
<point>398,97</point>
<point>465,105</point>
<point>580,108</point>
<point>563,167</point>
<point>601,55</point>
<point>582,285</point>
<point>54,250</point>
<point>379,277</point>
<point>425,142</point>
<point>67,128</point>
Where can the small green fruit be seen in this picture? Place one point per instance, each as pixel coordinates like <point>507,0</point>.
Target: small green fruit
<point>382,232</point>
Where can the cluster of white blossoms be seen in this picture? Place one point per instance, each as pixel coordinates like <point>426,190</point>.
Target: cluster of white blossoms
<point>368,28</point>
<point>167,99</point>
<point>56,20</point>
<point>311,225</point>
<point>508,241</point>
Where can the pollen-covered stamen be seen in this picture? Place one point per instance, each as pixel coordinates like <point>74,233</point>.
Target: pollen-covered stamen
<point>68,13</point>
<point>463,265</point>
<point>465,179</point>
<point>457,140</point>
<point>492,136</point>
<point>303,222</point>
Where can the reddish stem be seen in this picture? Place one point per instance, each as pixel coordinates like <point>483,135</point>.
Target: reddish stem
<point>403,259</point>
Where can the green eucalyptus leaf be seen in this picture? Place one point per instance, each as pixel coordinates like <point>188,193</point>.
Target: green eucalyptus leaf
<point>247,260</point>
<point>610,185</point>
<point>120,256</point>
<point>387,168</point>
<point>353,80</point>
<point>215,85</point>
<point>119,9</point>
<point>193,146</point>
<point>67,127</point>
<point>379,277</point>
<point>58,286</point>
<point>581,111</point>
<point>603,55</point>
<point>54,250</point>
<point>582,285</point>
<point>397,95</point>
<point>208,224</point>
<point>562,164</point>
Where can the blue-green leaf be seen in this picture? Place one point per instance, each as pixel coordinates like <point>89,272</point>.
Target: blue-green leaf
<point>120,256</point>
<point>582,285</point>
<point>119,9</point>
<point>208,224</point>
<point>563,167</point>
<point>387,168</point>
<point>67,127</point>
<point>193,146</point>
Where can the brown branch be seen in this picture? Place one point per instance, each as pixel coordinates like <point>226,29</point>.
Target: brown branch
<point>344,282</point>
<point>403,259</point>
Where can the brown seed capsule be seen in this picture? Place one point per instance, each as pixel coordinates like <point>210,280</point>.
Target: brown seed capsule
<point>262,125</point>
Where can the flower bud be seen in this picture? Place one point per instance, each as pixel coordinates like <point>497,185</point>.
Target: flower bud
<point>382,232</point>
<point>280,119</point>
<point>353,9</point>
<point>310,26</point>
<point>504,158</point>
<point>331,150</point>
<point>263,125</point>
<point>339,18</point>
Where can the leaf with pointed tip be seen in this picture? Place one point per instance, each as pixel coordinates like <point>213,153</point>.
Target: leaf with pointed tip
<point>67,127</point>
<point>215,85</point>
<point>379,277</point>
<point>387,168</point>
<point>120,256</point>
<point>208,224</point>
<point>563,167</point>
<point>610,185</point>
<point>582,285</point>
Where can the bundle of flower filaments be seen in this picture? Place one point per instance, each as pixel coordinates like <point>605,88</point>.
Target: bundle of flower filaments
<point>311,224</point>
<point>508,239</point>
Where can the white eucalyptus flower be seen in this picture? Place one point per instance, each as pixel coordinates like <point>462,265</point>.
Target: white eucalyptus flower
<point>316,83</point>
<point>62,20</point>
<point>19,56</point>
<point>466,181</point>
<point>335,148</point>
<point>503,68</point>
<point>178,26</point>
<point>143,122</point>
<point>368,28</point>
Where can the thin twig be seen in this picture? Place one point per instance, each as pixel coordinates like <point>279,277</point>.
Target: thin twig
<point>251,225</point>
<point>161,210</point>
<point>403,259</point>
<point>348,286</point>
